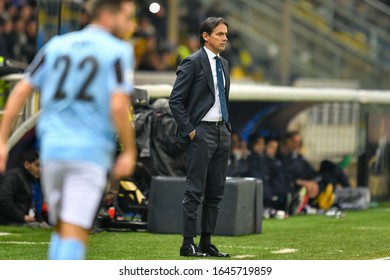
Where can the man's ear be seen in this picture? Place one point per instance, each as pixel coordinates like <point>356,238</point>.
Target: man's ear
<point>26,164</point>
<point>205,36</point>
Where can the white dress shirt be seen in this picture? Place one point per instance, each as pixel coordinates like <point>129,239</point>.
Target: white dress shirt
<point>214,114</point>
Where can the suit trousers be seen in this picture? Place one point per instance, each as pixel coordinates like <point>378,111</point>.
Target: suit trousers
<point>207,158</point>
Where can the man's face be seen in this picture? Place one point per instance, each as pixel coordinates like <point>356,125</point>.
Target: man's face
<point>124,21</point>
<point>217,40</point>
<point>33,168</point>
<point>294,143</point>
<point>272,148</point>
<point>259,146</point>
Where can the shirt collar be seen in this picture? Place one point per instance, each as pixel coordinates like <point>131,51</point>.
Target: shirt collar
<point>210,54</point>
<point>97,26</point>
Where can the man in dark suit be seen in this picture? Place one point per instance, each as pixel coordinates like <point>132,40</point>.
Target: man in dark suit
<point>199,103</point>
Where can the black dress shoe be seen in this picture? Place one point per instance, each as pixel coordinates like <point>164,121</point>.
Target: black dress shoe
<point>213,251</point>
<point>191,251</point>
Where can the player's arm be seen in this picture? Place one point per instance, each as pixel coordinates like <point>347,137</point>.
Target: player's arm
<point>16,101</point>
<point>21,92</point>
<point>126,161</point>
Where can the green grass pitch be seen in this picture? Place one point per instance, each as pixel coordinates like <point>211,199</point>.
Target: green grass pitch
<point>360,235</point>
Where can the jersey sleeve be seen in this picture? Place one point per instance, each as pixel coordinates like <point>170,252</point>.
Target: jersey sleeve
<point>34,73</point>
<point>123,81</point>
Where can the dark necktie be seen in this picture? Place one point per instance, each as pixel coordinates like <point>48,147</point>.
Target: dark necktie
<point>221,90</point>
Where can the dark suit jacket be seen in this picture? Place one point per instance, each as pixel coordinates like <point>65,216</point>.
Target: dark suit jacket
<point>193,93</point>
<point>15,196</point>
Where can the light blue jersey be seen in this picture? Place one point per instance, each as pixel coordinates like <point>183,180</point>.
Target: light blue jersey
<point>76,74</point>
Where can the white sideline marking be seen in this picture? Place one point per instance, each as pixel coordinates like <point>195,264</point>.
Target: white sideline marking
<point>243,247</point>
<point>385,258</point>
<point>372,228</point>
<point>285,251</point>
<point>243,256</point>
<point>4,233</point>
<point>24,243</point>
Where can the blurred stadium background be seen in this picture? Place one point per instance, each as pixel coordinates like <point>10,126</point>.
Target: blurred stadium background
<point>338,45</point>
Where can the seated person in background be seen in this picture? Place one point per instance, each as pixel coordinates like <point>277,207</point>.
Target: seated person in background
<point>257,166</point>
<point>16,193</point>
<point>237,165</point>
<point>302,175</point>
<point>280,187</point>
<point>333,174</point>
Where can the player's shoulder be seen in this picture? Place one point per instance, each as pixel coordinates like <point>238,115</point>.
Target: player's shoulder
<point>61,41</point>
<point>95,39</point>
<point>118,43</point>
<point>108,43</point>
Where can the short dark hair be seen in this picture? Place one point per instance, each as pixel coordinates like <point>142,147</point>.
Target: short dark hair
<point>95,7</point>
<point>253,139</point>
<point>208,26</point>
<point>29,156</point>
<point>291,134</point>
<point>272,138</point>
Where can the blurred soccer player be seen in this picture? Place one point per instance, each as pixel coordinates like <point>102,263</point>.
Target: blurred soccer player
<point>85,79</point>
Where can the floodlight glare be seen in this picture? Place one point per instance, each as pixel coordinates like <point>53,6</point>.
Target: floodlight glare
<point>154,7</point>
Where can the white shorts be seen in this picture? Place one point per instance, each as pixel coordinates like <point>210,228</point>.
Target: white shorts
<point>73,191</point>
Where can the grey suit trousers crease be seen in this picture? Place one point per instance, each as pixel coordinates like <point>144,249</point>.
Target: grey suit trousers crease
<point>207,157</point>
